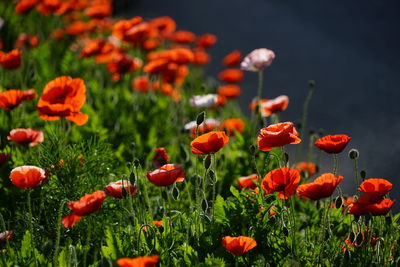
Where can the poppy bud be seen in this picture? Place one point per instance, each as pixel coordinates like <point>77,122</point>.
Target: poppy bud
<point>338,202</point>
<point>311,83</point>
<point>354,154</point>
<point>359,239</point>
<point>207,162</point>
<point>136,162</point>
<point>200,118</point>
<point>184,153</point>
<point>286,157</point>
<point>285,231</point>
<point>175,193</point>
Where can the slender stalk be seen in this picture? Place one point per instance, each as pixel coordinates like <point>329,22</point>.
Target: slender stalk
<point>335,170</point>
<point>256,116</point>
<point>58,233</point>
<point>335,164</point>
<point>87,244</point>
<point>215,179</point>
<point>299,148</point>
<point>31,224</point>
<point>3,226</point>
<point>30,218</point>
<point>356,174</point>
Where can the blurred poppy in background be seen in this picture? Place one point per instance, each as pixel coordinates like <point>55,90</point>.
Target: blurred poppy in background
<point>28,136</point>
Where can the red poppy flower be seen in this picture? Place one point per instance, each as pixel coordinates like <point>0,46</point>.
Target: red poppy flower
<point>27,177</point>
<point>26,41</point>
<point>10,60</point>
<point>282,180</point>
<point>99,9</point>
<point>308,167</point>
<point>166,175</point>
<point>238,245</point>
<point>146,261</point>
<point>63,97</point>
<point>333,144</point>
<point>26,136</point>
<point>157,223</point>
<point>86,205</point>
<point>321,187</point>
<point>47,7</point>
<point>277,135</point>
<point>24,6</point>
<point>183,37</point>
<point>160,157</point>
<point>151,44</point>
<point>231,75</point>
<point>233,125</point>
<point>209,143</point>
<point>206,40</point>
<point>57,34</point>
<point>232,59</point>
<point>229,91</point>
<point>122,65</point>
<point>164,25</point>
<point>275,105</point>
<point>376,186</point>
<point>114,189</point>
<point>381,208</point>
<point>247,181</point>
<point>200,57</point>
<point>253,106</point>
<point>141,84</point>
<point>92,47</point>
<point>4,236</point>
<point>12,98</point>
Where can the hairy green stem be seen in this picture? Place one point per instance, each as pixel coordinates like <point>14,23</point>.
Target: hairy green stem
<point>299,148</point>
<point>58,233</point>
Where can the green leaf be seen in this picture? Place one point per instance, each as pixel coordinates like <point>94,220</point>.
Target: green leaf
<point>219,211</point>
<point>26,245</point>
<point>234,192</point>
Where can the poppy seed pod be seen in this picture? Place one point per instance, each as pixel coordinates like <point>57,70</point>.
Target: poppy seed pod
<point>354,154</point>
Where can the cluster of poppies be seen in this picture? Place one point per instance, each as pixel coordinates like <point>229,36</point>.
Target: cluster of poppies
<point>167,55</point>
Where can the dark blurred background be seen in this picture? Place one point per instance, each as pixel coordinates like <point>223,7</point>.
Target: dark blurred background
<point>350,48</point>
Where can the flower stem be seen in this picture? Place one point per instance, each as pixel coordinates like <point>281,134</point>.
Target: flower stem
<point>299,148</point>
<point>30,217</point>
<point>58,233</point>
<point>356,174</point>
<point>256,100</point>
